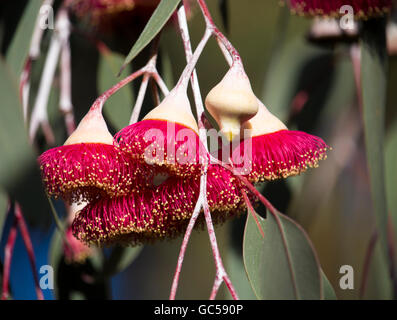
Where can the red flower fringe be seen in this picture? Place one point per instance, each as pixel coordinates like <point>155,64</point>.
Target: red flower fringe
<point>83,172</point>
<point>163,147</point>
<point>362,8</point>
<point>278,155</point>
<point>157,213</point>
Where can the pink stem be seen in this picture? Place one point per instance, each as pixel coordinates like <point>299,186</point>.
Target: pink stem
<point>47,132</point>
<point>182,251</point>
<point>217,33</point>
<point>9,248</point>
<point>139,101</point>
<point>29,248</point>
<point>149,70</point>
<point>249,185</point>
<point>189,71</point>
<point>183,29</point>
<point>215,288</point>
<point>65,102</point>
<point>155,92</point>
<point>24,86</point>
<point>220,270</point>
<point>99,102</point>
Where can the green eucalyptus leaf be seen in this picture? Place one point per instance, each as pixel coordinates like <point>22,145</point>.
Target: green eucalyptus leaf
<point>3,209</point>
<point>373,82</point>
<point>13,136</point>
<point>156,22</point>
<point>19,47</point>
<point>391,173</point>
<point>118,107</point>
<point>238,276</point>
<point>19,172</point>
<point>328,290</point>
<point>119,259</point>
<point>282,265</point>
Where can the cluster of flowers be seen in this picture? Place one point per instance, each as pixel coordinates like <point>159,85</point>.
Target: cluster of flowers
<point>142,184</point>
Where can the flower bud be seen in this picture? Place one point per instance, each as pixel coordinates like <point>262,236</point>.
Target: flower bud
<point>232,102</point>
<point>91,129</point>
<point>175,108</point>
<point>88,165</point>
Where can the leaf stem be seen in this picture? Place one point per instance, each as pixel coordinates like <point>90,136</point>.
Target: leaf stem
<point>185,242</point>
<point>373,86</point>
<point>29,248</point>
<point>39,113</point>
<point>8,251</point>
<point>65,100</point>
<point>202,202</point>
<point>217,33</point>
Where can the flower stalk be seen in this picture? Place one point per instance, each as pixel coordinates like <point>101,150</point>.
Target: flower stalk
<point>8,251</point>
<point>202,203</point>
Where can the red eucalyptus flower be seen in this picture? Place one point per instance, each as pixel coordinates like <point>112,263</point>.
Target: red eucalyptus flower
<point>88,164</point>
<point>362,8</point>
<point>165,142</point>
<point>159,212</point>
<point>274,152</point>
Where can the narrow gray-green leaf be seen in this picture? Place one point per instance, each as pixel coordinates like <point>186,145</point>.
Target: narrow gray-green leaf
<point>13,136</point>
<point>156,22</point>
<point>3,209</point>
<point>118,107</point>
<point>119,259</point>
<point>282,265</point>
<point>19,47</point>
<point>235,268</point>
<point>19,173</point>
<point>391,174</point>
<point>328,290</point>
<point>373,81</point>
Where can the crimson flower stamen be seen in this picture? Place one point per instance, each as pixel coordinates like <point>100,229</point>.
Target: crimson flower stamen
<point>166,141</point>
<point>88,165</point>
<point>160,212</point>
<point>272,151</point>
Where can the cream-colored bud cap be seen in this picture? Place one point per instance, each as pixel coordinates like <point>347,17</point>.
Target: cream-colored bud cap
<point>263,123</point>
<point>232,102</point>
<point>175,108</point>
<point>91,129</point>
